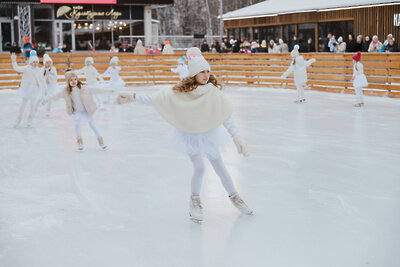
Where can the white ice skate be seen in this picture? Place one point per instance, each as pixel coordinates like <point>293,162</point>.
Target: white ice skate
<point>17,123</point>
<point>240,205</point>
<point>79,141</point>
<point>358,105</point>
<point>299,101</point>
<point>195,209</point>
<point>101,143</point>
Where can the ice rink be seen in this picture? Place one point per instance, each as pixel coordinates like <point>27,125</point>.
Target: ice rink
<point>323,179</point>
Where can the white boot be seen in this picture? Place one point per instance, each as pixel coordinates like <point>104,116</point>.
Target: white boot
<point>79,141</point>
<point>17,122</point>
<point>195,209</point>
<point>101,143</point>
<point>240,205</point>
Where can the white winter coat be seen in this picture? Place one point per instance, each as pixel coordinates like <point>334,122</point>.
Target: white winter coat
<point>359,79</point>
<point>299,69</point>
<point>50,76</point>
<point>91,74</point>
<point>30,76</point>
<point>274,49</point>
<point>341,48</point>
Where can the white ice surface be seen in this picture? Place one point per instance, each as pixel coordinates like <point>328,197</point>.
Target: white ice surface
<point>323,178</point>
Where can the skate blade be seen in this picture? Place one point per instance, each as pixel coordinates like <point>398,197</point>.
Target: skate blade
<point>104,148</point>
<point>195,220</point>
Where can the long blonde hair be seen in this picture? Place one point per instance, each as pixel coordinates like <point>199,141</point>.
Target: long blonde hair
<point>68,88</point>
<point>189,84</point>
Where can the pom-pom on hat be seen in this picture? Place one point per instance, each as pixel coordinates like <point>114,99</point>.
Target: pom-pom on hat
<point>33,57</point>
<point>69,73</point>
<point>182,60</point>
<point>357,56</point>
<point>197,63</point>
<point>114,59</point>
<point>26,39</point>
<point>166,42</point>
<point>295,51</point>
<point>47,58</point>
<point>89,59</point>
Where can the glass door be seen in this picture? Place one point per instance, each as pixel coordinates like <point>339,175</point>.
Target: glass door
<point>65,35</point>
<point>5,36</point>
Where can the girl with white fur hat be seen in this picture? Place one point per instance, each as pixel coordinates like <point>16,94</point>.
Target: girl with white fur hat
<point>32,85</point>
<point>92,76</point>
<point>116,81</point>
<point>50,76</point>
<point>80,105</point>
<point>197,109</point>
<point>299,67</point>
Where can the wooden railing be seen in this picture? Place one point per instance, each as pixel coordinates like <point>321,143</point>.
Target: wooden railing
<point>331,72</point>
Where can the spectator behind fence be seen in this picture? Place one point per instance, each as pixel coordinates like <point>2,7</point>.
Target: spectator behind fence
<point>254,47</point>
<point>139,48</point>
<point>236,46</point>
<point>283,47</point>
<point>167,50</point>
<point>333,44</point>
<point>223,49</point>
<point>359,43</point>
<point>272,47</point>
<point>263,47</point>
<point>204,47</point>
<point>351,45</point>
<point>15,49</point>
<point>215,47</point>
<point>227,44</point>
<point>386,43</point>
<point>375,45</point>
<point>392,46</point>
<point>113,49</point>
<point>293,43</point>
<point>66,49</point>
<point>326,42</point>
<point>245,47</point>
<point>310,45</point>
<point>341,48</point>
<point>27,47</point>
<point>366,43</point>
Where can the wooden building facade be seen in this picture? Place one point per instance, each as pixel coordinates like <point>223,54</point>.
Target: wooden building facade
<point>374,20</point>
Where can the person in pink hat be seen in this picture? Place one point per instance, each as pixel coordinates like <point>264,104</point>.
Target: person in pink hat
<point>197,109</point>
<point>359,80</point>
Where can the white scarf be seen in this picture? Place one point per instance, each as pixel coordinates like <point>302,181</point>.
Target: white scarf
<point>197,111</point>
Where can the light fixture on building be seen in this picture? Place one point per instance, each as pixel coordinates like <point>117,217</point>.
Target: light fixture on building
<point>97,28</point>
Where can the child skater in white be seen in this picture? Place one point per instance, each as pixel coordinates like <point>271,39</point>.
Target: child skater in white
<point>92,77</point>
<point>80,105</point>
<point>197,109</point>
<point>116,81</point>
<point>32,85</point>
<point>50,76</point>
<point>182,69</point>
<point>299,67</point>
<point>359,79</point>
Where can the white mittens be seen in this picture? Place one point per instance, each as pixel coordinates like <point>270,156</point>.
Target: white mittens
<point>313,60</point>
<point>124,98</point>
<point>241,146</point>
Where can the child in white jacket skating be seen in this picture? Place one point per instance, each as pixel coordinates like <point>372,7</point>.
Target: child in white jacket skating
<point>32,86</point>
<point>116,81</point>
<point>92,78</point>
<point>299,67</point>
<point>182,69</point>
<point>197,109</point>
<point>80,105</point>
<point>359,79</point>
<point>50,76</point>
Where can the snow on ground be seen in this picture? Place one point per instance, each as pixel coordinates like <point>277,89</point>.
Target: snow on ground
<point>323,179</point>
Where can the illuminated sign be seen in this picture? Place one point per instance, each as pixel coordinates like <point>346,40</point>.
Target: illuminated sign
<point>79,12</point>
<point>78,1</point>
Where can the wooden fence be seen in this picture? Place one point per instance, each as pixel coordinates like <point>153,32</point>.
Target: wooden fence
<point>331,72</point>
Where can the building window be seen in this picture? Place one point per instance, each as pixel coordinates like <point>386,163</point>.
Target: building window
<point>43,32</point>
<point>5,12</point>
<point>337,28</point>
<point>305,31</point>
<point>288,32</point>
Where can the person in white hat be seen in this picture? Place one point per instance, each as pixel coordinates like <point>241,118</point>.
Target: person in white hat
<point>80,105</point>
<point>181,69</point>
<point>299,67</point>
<point>116,82</point>
<point>50,76</point>
<point>197,109</point>
<point>92,78</point>
<point>32,86</point>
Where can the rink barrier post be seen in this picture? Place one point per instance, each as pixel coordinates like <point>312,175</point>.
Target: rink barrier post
<point>331,72</point>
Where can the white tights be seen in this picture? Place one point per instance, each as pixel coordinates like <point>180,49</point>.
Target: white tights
<point>359,94</point>
<point>22,109</point>
<point>219,168</point>
<point>300,91</point>
<point>91,124</point>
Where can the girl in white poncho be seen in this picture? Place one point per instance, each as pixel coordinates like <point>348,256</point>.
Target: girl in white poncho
<point>116,81</point>
<point>359,79</point>
<point>181,69</point>
<point>299,67</point>
<point>197,109</point>
<point>32,85</point>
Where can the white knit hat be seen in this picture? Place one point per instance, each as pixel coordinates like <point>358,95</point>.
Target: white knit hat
<point>33,57</point>
<point>89,59</point>
<point>196,62</point>
<point>295,51</point>
<point>69,73</point>
<point>340,39</point>
<point>114,59</point>
<point>47,58</point>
